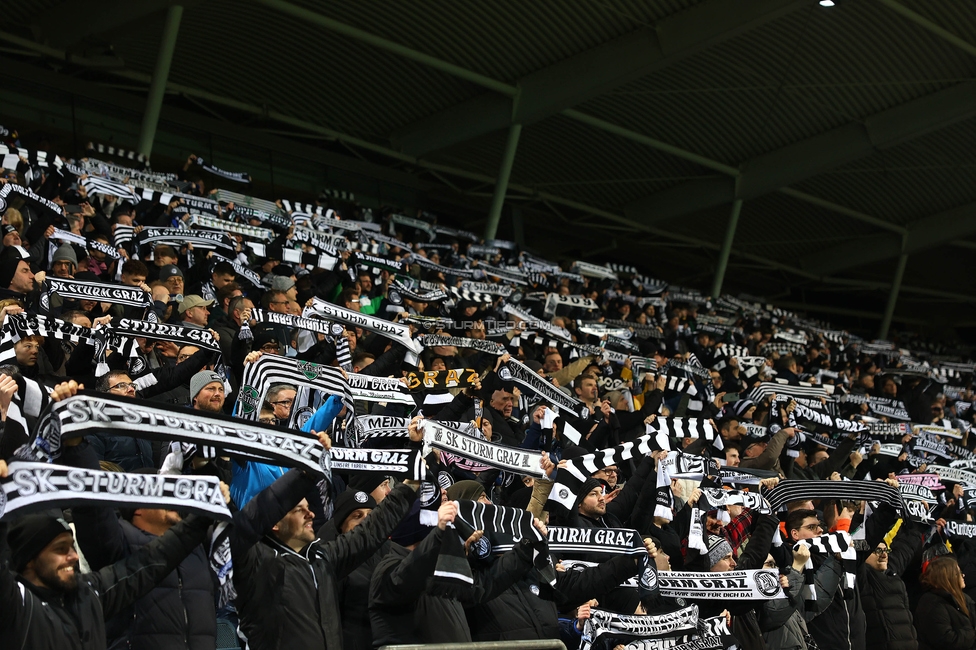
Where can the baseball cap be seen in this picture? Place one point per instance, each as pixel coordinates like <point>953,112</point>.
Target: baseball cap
<point>169,270</point>
<point>193,300</point>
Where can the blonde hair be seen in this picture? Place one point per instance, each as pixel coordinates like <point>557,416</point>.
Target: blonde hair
<point>13,217</point>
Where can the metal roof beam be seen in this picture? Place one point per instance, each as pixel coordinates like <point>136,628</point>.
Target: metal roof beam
<point>572,81</point>
<point>923,234</point>
<point>925,23</point>
<point>677,36</point>
<point>75,20</point>
<point>801,160</point>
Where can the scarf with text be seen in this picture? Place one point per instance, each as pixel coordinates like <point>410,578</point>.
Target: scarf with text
<point>441,379</point>
<point>391,390</point>
<point>517,461</point>
<point>89,413</point>
<point>22,325</point>
<point>754,584</point>
<point>49,207</point>
<point>408,464</point>
<point>97,291</point>
<point>31,487</point>
<point>395,331</point>
<point>516,371</point>
<point>237,177</point>
<point>434,341</point>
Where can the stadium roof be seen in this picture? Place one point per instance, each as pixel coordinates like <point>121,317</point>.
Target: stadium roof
<point>847,132</point>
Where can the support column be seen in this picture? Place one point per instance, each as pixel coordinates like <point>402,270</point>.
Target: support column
<point>501,184</point>
<point>893,296</point>
<point>518,228</point>
<point>157,88</point>
<point>723,256</point>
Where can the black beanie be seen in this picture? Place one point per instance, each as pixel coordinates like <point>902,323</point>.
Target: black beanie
<point>588,486</point>
<point>366,481</point>
<point>9,260</point>
<point>349,501</point>
<point>29,535</point>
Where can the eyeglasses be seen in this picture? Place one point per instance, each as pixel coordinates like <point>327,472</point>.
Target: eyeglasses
<point>123,385</point>
<point>611,471</point>
<point>270,347</point>
<point>880,551</point>
<point>769,564</point>
<point>283,402</point>
<point>268,421</point>
<point>812,527</point>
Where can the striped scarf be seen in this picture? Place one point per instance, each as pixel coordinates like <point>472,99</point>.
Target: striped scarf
<point>837,542</point>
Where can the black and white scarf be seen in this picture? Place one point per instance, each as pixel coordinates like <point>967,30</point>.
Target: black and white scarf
<point>50,207</point>
<point>97,291</point>
<point>119,152</point>
<point>22,325</point>
<point>31,487</point>
<point>794,490</point>
<point>524,376</point>
<point>434,341</point>
<point>754,584</point>
<point>839,542</point>
<point>271,369</point>
<point>395,331</point>
<point>408,464</point>
<point>518,461</point>
<point>425,263</point>
<point>398,291</point>
<point>569,479</point>
<point>179,237</point>
<point>87,413</point>
<point>237,177</point>
<point>663,428</point>
<point>220,224</point>
<point>387,426</point>
<point>390,390</point>
<point>107,187</point>
<point>403,220</point>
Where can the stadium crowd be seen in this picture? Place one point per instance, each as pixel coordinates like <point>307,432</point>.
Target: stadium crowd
<point>232,422</point>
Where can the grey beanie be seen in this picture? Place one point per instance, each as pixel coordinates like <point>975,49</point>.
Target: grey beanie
<point>718,547</point>
<point>201,379</point>
<point>65,253</point>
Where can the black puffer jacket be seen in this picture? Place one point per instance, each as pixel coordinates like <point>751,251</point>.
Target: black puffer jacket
<point>884,598</point>
<point>288,599</point>
<point>527,609</point>
<point>401,609</point>
<point>941,625</point>
<point>38,619</point>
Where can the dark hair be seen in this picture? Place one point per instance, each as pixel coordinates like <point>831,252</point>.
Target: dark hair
<point>224,292</point>
<point>224,268</point>
<point>272,295</point>
<point>165,249</point>
<point>727,421</point>
<point>135,267</point>
<point>105,381</point>
<point>235,303</point>
<point>794,520</point>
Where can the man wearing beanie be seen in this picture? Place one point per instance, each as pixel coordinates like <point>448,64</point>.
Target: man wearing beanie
<point>45,601</point>
<point>65,262</point>
<point>207,391</point>
<point>351,509</point>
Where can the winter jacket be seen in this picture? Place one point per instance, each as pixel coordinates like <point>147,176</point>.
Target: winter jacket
<point>782,619</point>
<point>402,611</point>
<point>527,609</point>
<point>354,600</point>
<point>37,618</point>
<point>179,612</point>
<point>886,608</point>
<point>941,625</point>
<point>289,599</point>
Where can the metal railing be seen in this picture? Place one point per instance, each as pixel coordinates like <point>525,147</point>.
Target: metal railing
<point>541,644</point>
